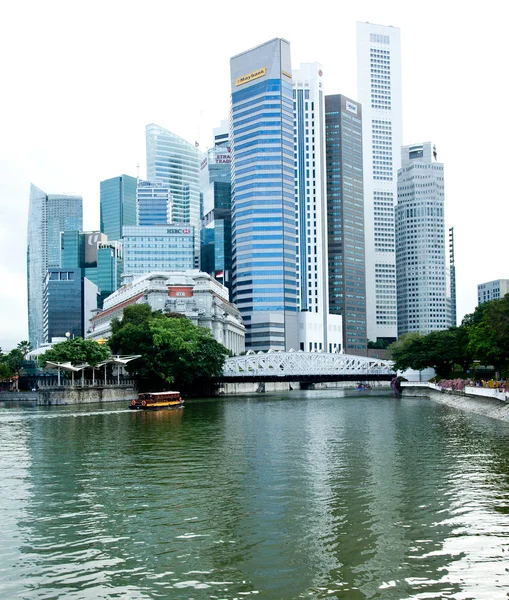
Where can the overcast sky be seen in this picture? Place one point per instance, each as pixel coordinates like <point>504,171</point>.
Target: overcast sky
<point>80,80</point>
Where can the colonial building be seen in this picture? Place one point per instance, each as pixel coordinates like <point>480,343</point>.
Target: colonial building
<point>192,293</point>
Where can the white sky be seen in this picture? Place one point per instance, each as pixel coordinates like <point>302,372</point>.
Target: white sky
<point>79,82</point>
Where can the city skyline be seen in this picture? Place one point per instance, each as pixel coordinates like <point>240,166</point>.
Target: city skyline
<point>60,146</point>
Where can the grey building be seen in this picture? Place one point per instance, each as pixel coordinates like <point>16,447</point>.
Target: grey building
<point>492,290</point>
<point>345,219</point>
<point>423,287</point>
<point>48,216</point>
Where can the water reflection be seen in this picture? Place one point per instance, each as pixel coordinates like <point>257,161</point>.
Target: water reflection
<point>308,494</point>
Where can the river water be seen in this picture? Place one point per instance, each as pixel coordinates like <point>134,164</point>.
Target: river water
<point>316,494</point>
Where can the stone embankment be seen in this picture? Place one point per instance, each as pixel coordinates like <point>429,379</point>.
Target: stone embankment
<point>484,401</point>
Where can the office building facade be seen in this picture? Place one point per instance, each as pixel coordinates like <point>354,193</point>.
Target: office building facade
<point>315,324</point>
<point>69,303</point>
<point>216,228</point>
<point>48,216</point>
<point>379,93</point>
<point>153,204</point>
<point>158,248</point>
<point>264,239</point>
<point>492,290</point>
<point>176,163</point>
<point>117,205</point>
<point>100,260</point>
<point>345,219</point>
<point>422,274</point>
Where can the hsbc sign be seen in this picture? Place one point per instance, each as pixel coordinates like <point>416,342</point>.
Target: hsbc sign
<point>182,231</point>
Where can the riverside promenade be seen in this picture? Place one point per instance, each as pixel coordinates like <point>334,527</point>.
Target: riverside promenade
<point>490,402</point>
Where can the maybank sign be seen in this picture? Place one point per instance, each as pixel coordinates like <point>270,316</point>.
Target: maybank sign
<point>250,76</point>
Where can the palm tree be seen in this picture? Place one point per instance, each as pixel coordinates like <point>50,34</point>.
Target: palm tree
<point>24,347</point>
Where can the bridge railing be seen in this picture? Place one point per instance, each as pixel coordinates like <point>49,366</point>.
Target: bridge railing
<point>284,364</point>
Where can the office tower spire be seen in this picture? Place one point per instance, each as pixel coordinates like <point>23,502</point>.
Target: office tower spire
<point>379,92</point>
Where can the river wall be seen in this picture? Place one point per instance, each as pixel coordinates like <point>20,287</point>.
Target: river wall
<point>86,395</point>
<point>483,401</point>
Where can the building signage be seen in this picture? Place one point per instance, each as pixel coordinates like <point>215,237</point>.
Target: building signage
<point>250,76</point>
<point>286,74</point>
<point>350,106</point>
<point>184,231</point>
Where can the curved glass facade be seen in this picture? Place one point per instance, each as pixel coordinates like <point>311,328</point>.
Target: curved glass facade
<point>176,163</point>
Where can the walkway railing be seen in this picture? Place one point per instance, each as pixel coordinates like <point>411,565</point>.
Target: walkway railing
<point>86,383</point>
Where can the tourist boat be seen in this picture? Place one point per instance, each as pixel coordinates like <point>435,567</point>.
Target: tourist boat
<point>157,400</point>
<point>363,387</point>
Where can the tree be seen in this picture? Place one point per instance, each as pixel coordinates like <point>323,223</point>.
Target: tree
<point>76,351</point>
<point>25,347</point>
<point>174,350</point>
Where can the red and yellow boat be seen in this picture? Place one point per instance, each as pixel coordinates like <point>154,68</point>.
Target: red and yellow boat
<point>157,400</point>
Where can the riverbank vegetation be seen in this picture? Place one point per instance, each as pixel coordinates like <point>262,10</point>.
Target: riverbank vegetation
<point>481,339</point>
<point>173,350</point>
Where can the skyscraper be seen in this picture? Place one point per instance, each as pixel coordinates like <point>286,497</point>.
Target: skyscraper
<point>315,330</point>
<point>345,219</point>
<point>153,203</point>
<point>423,292</point>
<point>264,238</point>
<point>117,205</point>
<point>216,192</point>
<point>176,163</point>
<point>48,216</point>
<point>379,92</point>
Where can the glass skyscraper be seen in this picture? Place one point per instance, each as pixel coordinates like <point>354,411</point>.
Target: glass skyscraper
<point>176,163</point>
<point>48,216</point>
<point>153,204</point>
<point>345,218</point>
<point>118,205</point>
<point>215,186</point>
<point>99,260</point>
<point>264,239</point>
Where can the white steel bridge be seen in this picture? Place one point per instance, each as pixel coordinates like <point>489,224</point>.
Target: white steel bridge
<point>305,366</point>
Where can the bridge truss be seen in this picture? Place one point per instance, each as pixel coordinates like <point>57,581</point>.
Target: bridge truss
<point>305,366</point>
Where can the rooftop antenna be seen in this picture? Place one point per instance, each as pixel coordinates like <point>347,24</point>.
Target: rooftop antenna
<point>138,172</point>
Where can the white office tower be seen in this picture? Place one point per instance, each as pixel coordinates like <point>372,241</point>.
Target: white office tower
<point>317,329</point>
<point>379,92</point>
<point>421,268</point>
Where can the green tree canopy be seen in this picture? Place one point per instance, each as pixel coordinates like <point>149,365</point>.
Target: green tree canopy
<point>76,351</point>
<point>174,350</point>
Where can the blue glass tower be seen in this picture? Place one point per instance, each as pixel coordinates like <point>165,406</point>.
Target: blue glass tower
<point>48,216</point>
<point>118,205</point>
<point>263,202</point>
<point>153,204</point>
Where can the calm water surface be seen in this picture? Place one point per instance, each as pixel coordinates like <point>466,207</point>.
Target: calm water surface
<point>303,495</point>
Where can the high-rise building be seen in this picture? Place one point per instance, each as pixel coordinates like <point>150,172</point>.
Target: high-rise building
<point>176,163</point>
<point>100,260</point>
<point>421,268</point>
<point>48,216</point>
<point>117,205</point>
<point>264,239</point>
<point>158,248</point>
<point>316,330</point>
<point>153,203</point>
<point>492,290</point>
<point>345,219</point>
<point>452,270</point>
<point>379,92</point>
<point>215,190</point>
<point>69,303</point>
